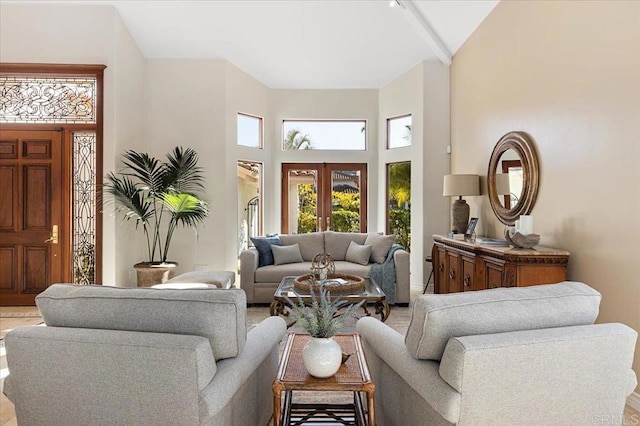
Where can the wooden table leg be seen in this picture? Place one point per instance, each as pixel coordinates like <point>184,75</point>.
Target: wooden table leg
<point>383,309</point>
<point>371,409</point>
<point>277,403</point>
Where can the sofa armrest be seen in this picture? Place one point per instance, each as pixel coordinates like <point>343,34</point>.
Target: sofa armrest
<point>401,260</point>
<point>423,376</point>
<point>248,265</point>
<point>262,341</point>
<point>96,376</point>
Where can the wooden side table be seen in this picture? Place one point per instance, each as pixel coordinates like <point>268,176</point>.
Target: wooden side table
<point>353,376</point>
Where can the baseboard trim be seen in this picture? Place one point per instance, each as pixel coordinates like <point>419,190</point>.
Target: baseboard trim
<point>633,401</point>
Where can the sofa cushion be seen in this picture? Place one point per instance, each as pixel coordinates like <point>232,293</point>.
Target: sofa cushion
<point>263,245</point>
<point>357,253</point>
<point>437,318</point>
<point>310,244</point>
<point>337,243</point>
<point>218,315</point>
<point>286,254</point>
<point>352,268</point>
<point>275,273</point>
<point>380,246</point>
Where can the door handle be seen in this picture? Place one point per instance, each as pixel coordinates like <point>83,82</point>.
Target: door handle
<point>54,236</point>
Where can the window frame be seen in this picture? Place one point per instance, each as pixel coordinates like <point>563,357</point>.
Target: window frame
<point>324,120</point>
<point>260,131</point>
<point>396,117</point>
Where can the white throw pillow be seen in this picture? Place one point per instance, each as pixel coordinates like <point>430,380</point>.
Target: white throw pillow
<point>380,246</point>
<point>286,254</point>
<point>357,253</point>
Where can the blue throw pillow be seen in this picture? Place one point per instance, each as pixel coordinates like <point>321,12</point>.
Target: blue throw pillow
<point>263,245</point>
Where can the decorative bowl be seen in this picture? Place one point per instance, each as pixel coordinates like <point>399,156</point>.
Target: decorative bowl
<point>519,240</point>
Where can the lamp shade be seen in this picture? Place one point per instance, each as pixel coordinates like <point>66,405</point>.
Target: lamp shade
<point>458,185</point>
<point>502,184</point>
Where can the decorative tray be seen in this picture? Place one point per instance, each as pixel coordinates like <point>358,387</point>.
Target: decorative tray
<point>338,283</point>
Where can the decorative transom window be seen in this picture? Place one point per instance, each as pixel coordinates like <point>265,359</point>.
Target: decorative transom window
<point>47,100</point>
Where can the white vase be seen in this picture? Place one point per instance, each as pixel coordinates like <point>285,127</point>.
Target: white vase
<point>322,357</point>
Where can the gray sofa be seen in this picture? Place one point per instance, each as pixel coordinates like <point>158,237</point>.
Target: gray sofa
<point>260,282</point>
<point>512,356</point>
<point>127,356</point>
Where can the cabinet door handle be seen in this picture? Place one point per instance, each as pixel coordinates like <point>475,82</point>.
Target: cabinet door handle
<point>441,267</point>
<point>452,274</point>
<point>467,280</point>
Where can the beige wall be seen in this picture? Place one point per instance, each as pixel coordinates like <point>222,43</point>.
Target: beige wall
<point>185,105</point>
<point>567,74</point>
<point>36,33</point>
<point>328,105</point>
<point>423,91</point>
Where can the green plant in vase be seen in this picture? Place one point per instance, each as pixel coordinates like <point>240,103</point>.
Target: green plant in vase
<point>159,196</point>
<point>324,318</point>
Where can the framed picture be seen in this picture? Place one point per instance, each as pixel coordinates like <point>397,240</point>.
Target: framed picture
<point>472,227</point>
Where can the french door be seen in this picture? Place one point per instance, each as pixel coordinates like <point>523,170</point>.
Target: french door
<point>324,196</point>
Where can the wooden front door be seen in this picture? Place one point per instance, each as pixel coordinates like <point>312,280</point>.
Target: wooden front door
<point>32,230</point>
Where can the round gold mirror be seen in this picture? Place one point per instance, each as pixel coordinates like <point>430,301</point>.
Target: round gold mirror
<point>512,177</point>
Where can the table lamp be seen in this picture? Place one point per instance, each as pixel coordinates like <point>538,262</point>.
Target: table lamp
<point>457,186</point>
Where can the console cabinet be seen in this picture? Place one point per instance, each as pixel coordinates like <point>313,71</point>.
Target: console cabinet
<point>467,266</point>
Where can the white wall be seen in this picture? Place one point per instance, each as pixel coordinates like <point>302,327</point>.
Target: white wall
<point>185,106</point>
<point>41,33</point>
<point>157,104</point>
<point>128,105</point>
<point>404,95</point>
<point>244,93</point>
<point>567,74</point>
<point>328,105</point>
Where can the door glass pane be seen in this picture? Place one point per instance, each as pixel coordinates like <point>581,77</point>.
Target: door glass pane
<point>399,202</point>
<point>84,207</point>
<point>345,196</point>
<point>303,201</point>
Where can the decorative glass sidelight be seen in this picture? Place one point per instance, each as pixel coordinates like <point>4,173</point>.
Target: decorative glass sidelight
<point>47,100</point>
<point>84,207</point>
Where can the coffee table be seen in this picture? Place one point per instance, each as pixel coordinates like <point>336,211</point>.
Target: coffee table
<point>353,376</point>
<point>372,295</point>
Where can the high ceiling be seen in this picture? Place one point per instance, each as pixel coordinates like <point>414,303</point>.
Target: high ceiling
<point>310,44</point>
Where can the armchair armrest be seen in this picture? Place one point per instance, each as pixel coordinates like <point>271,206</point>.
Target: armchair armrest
<point>248,266</point>
<point>401,260</point>
<point>421,375</point>
<point>255,367</point>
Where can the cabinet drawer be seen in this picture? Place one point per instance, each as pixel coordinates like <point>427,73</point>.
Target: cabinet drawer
<point>493,272</point>
<point>440,275</point>
<point>468,273</point>
<point>454,272</point>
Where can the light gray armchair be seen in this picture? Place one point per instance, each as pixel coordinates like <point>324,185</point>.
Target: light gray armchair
<point>142,357</point>
<point>502,357</point>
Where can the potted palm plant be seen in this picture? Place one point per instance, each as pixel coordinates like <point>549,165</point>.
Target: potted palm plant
<point>159,196</point>
<point>323,319</point>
